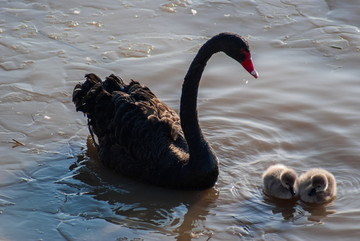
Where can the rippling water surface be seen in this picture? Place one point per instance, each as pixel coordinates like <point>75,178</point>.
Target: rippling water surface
<point>302,111</point>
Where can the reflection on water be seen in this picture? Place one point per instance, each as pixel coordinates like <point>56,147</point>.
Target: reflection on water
<point>285,207</point>
<point>294,210</point>
<point>136,205</point>
<point>303,111</point>
<point>318,212</point>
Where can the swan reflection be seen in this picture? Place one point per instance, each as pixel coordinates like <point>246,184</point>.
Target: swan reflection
<point>137,205</point>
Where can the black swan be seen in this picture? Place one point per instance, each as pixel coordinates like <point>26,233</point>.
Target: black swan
<point>280,182</point>
<point>317,186</point>
<point>141,137</point>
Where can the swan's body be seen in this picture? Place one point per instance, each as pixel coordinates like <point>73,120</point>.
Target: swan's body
<point>317,186</point>
<point>142,137</point>
<point>280,182</point>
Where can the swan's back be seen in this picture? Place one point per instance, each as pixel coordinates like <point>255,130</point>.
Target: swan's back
<point>137,134</point>
<point>273,181</point>
<point>309,183</point>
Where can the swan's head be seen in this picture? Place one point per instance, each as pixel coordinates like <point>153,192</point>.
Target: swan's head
<point>288,180</point>
<point>238,48</point>
<point>319,184</point>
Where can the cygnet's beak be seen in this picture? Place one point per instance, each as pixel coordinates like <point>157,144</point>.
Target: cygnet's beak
<point>291,189</point>
<point>312,192</point>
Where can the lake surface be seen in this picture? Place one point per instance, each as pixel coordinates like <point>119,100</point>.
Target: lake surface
<point>303,111</point>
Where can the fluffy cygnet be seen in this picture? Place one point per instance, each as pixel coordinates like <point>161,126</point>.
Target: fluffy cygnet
<point>280,182</point>
<point>317,186</point>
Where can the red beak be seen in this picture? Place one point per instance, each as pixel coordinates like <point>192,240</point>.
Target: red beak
<point>248,65</point>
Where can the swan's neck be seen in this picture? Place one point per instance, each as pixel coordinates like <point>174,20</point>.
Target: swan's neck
<point>198,145</point>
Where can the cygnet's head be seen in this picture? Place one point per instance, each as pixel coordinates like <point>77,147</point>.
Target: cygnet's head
<point>288,180</point>
<point>319,183</point>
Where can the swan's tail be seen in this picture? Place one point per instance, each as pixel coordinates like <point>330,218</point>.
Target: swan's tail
<point>81,90</point>
<point>93,98</point>
<point>87,94</point>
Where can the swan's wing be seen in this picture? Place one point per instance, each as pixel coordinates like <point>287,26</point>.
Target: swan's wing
<point>141,101</point>
<point>134,128</point>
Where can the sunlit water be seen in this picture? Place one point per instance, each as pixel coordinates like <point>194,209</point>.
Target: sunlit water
<point>302,111</point>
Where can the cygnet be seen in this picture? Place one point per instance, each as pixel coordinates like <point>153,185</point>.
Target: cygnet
<point>280,182</point>
<point>317,186</point>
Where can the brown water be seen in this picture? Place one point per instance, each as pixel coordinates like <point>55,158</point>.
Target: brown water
<point>303,111</point>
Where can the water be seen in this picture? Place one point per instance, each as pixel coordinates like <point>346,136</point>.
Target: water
<point>303,111</point>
